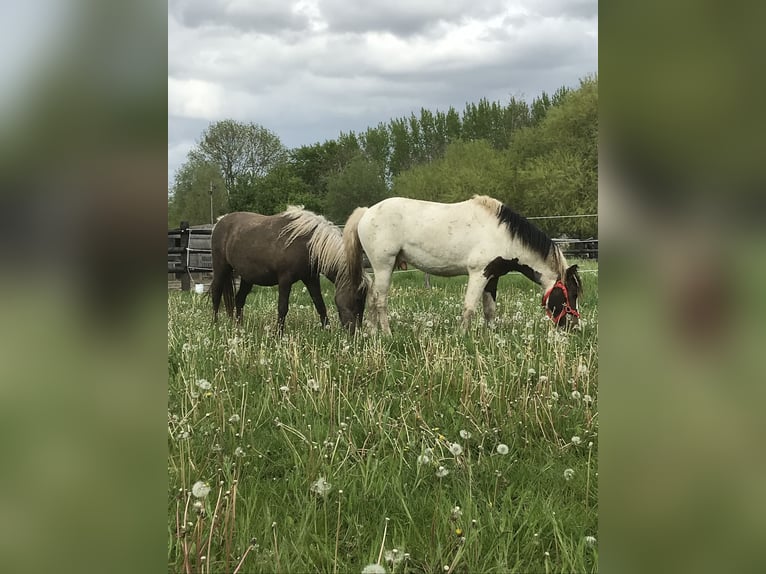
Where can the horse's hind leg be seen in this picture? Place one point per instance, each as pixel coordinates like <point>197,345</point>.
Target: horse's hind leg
<point>473,294</point>
<point>239,300</point>
<point>489,298</point>
<point>315,290</point>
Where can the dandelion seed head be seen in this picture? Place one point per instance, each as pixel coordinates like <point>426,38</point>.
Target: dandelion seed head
<point>204,385</point>
<point>576,395</point>
<point>424,459</point>
<point>320,486</point>
<point>200,489</point>
<point>587,399</point>
<point>312,384</point>
<point>239,451</point>
<point>590,540</point>
<point>569,474</point>
<point>456,449</point>
<point>234,419</point>
<point>502,449</point>
<point>393,557</point>
<point>441,472</point>
<point>465,435</point>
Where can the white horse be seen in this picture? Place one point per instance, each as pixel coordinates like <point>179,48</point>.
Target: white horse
<point>480,237</point>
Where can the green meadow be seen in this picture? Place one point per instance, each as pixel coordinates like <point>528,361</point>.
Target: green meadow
<point>430,451</point>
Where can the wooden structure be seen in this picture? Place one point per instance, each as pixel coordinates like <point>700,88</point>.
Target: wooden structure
<point>189,252</point>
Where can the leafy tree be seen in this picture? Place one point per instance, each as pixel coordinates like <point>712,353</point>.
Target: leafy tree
<point>274,191</point>
<point>467,168</point>
<point>242,152</point>
<point>540,107</point>
<point>376,143</point>
<point>453,125</point>
<point>313,163</point>
<point>359,184</point>
<point>434,134</point>
<point>554,165</point>
<point>190,196</point>
<point>558,183</point>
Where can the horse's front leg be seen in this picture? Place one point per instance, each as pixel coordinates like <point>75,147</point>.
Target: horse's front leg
<point>380,288</point>
<point>315,290</point>
<point>489,298</point>
<point>284,300</point>
<point>473,294</point>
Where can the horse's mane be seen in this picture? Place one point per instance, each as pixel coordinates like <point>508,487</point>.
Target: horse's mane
<point>521,228</point>
<point>326,242</point>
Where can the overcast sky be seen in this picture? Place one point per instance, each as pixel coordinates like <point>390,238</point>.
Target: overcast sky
<point>309,69</point>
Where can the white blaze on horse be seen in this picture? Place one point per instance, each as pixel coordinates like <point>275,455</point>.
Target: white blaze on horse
<point>480,237</point>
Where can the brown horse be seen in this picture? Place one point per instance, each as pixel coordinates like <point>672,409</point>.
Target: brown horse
<point>295,245</point>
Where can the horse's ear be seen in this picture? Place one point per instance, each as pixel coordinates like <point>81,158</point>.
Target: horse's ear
<point>573,276</point>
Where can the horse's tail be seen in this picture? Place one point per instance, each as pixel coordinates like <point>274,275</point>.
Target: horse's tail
<point>228,291</point>
<point>352,246</point>
<point>222,286</point>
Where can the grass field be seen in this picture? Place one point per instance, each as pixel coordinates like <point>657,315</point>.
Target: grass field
<point>429,451</point>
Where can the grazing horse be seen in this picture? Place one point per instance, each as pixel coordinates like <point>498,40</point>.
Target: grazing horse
<point>480,237</point>
<point>295,245</point>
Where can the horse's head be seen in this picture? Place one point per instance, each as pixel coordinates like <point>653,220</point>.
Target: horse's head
<point>560,301</point>
<point>350,300</point>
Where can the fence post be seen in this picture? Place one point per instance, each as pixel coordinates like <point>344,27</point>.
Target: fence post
<point>184,275</point>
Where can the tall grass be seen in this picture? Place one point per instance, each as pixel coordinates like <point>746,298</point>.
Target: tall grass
<point>428,451</point>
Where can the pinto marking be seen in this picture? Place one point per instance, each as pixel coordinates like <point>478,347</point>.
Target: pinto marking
<point>479,237</point>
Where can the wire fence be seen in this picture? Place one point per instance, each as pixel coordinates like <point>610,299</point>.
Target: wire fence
<point>563,216</point>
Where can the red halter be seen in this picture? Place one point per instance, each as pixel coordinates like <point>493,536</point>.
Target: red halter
<point>567,309</point>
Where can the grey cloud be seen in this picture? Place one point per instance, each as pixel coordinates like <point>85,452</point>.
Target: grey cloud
<point>265,16</point>
<point>402,17</point>
<point>575,9</point>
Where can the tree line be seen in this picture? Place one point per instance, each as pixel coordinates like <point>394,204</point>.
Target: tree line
<point>539,158</point>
